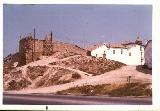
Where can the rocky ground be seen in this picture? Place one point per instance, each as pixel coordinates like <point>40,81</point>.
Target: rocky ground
<point>61,72</point>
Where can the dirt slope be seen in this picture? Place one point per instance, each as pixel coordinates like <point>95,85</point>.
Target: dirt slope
<point>52,74</point>
<point>55,70</point>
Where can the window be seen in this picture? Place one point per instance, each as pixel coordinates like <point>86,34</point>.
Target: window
<point>130,54</point>
<point>121,51</point>
<point>140,48</point>
<point>114,51</point>
<point>96,55</point>
<point>104,56</point>
<point>104,52</point>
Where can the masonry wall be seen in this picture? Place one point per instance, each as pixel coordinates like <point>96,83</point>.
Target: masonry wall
<point>25,50</point>
<point>64,47</point>
<point>38,49</point>
<point>47,48</point>
<point>31,50</point>
<point>39,46</point>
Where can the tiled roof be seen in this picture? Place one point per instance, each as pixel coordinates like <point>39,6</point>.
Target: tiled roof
<point>123,45</point>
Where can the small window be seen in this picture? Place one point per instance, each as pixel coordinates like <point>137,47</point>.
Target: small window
<point>96,55</point>
<point>130,54</point>
<point>140,48</point>
<point>104,52</point>
<point>114,51</point>
<point>121,51</point>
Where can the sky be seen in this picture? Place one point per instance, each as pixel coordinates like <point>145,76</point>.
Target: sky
<point>82,25</point>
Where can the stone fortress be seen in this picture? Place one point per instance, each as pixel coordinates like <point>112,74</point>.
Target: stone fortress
<point>31,49</point>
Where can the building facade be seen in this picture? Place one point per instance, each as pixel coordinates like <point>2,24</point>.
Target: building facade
<point>128,53</point>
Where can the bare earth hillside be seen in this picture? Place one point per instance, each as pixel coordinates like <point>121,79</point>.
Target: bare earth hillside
<point>63,71</point>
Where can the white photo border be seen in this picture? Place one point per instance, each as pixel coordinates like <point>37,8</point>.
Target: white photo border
<point>155,55</point>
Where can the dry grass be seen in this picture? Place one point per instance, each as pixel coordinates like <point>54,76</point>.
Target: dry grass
<point>16,74</point>
<point>61,76</point>
<point>18,84</point>
<point>134,89</point>
<point>55,79</point>
<point>36,71</point>
<point>61,55</point>
<point>144,69</point>
<point>91,65</point>
<point>7,68</point>
<point>42,81</point>
<point>15,80</point>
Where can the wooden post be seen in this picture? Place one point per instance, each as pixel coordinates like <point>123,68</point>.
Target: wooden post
<point>34,35</point>
<point>51,35</point>
<point>129,80</point>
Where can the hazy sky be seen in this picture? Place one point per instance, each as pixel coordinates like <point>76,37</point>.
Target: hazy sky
<point>77,24</point>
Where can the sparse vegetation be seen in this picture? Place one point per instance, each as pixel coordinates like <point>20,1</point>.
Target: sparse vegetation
<point>7,68</point>
<point>61,76</point>
<point>92,65</point>
<point>62,55</point>
<point>76,76</point>
<point>144,69</point>
<point>134,89</point>
<point>36,76</point>
<point>18,84</point>
<point>36,71</point>
<point>16,74</point>
<point>15,80</point>
<point>42,81</point>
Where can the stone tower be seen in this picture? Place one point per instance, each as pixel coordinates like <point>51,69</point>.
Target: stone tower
<point>26,50</point>
<point>48,45</point>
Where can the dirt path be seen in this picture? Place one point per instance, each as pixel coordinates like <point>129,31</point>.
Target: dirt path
<point>83,74</point>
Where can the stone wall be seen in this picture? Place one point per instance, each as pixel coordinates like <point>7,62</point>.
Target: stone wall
<point>26,50</point>
<point>26,45</point>
<point>39,46</point>
<point>31,50</point>
<point>65,47</point>
<point>47,48</point>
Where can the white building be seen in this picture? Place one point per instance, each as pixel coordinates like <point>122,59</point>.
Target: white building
<point>128,53</point>
<point>148,54</point>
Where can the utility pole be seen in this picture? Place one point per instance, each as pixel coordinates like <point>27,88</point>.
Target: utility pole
<point>51,35</point>
<point>34,35</point>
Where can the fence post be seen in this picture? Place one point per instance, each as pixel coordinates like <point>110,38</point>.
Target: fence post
<point>129,80</point>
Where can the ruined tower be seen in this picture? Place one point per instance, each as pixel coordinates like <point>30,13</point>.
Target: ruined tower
<point>48,45</point>
<point>26,50</point>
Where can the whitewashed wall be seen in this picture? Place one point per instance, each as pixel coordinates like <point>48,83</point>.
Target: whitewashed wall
<point>134,59</point>
<point>148,54</point>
